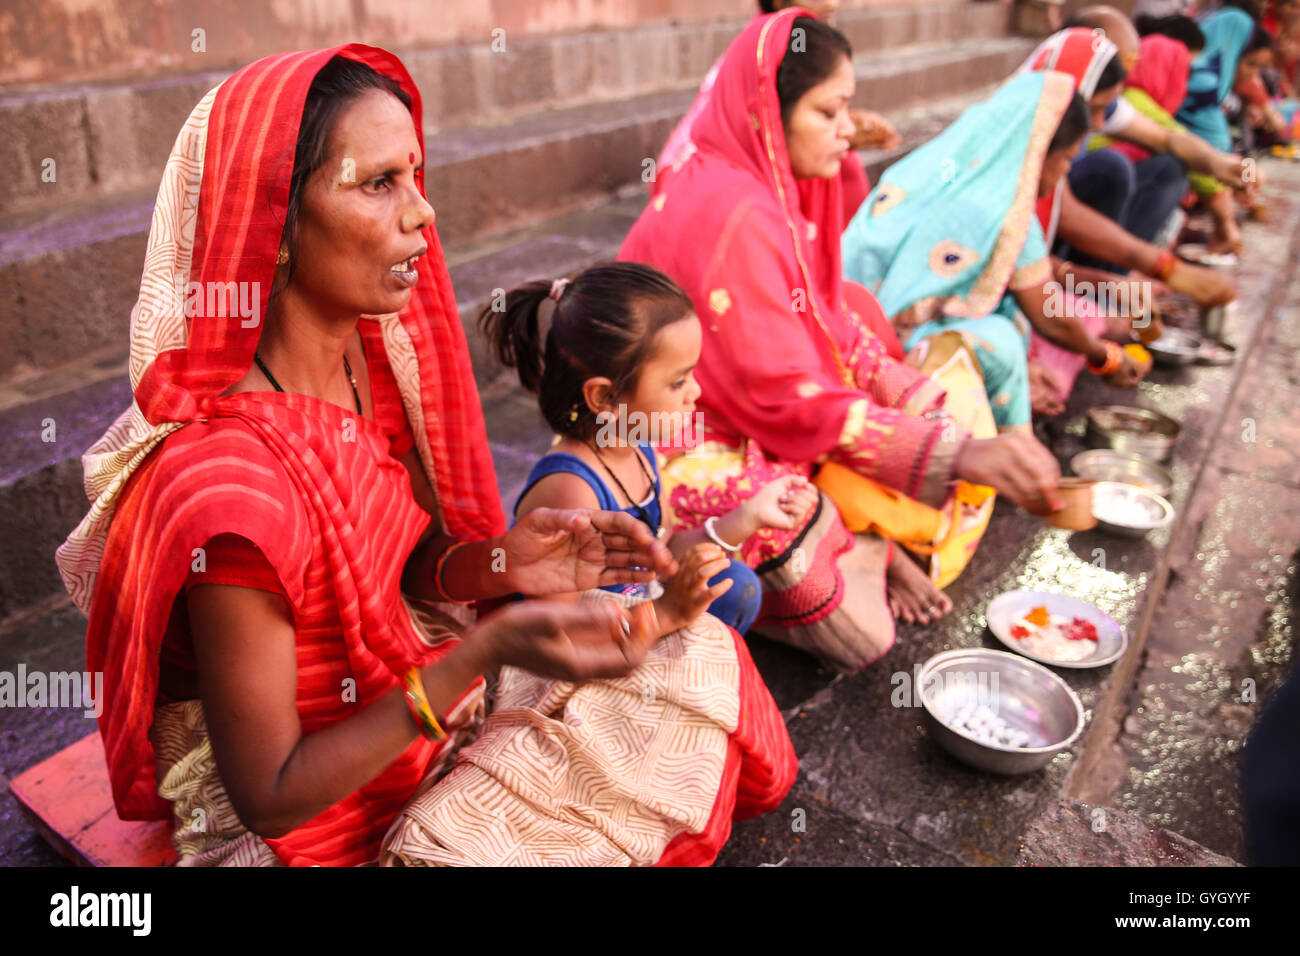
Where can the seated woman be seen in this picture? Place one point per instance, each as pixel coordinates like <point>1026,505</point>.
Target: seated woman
<point>792,377</point>
<point>1156,89</point>
<point>277,487</point>
<point>1236,48</point>
<point>870,129</point>
<point>948,240</point>
<point>609,356</point>
<point>1075,230</point>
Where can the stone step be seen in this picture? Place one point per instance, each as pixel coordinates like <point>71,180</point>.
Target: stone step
<point>108,138</point>
<point>482,181</point>
<point>41,497</point>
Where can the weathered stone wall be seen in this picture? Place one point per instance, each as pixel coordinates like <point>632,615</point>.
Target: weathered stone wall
<point>46,41</point>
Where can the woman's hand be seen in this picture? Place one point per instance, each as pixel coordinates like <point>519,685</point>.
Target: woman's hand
<point>1045,393</point>
<point>687,594</point>
<point>783,503</point>
<point>1129,373</point>
<point>552,551</point>
<point>574,642</point>
<point>1016,465</point>
<point>873,131</point>
<point>1206,286</point>
<point>1229,168</point>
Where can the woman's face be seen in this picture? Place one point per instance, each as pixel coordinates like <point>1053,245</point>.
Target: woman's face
<point>1100,102</point>
<point>1055,165</point>
<point>817,135</point>
<point>1248,66</point>
<point>359,226</point>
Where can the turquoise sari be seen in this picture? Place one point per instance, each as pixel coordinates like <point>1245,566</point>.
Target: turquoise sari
<point>1227,32</point>
<point>952,227</point>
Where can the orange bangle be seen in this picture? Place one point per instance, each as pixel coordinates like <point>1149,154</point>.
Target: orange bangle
<point>1114,359</point>
<point>1164,265</point>
<point>437,574</point>
<point>417,702</point>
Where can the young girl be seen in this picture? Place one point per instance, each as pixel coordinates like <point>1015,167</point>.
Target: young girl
<point>609,356</point>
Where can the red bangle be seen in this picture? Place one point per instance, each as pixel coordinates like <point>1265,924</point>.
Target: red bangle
<point>1164,265</point>
<point>437,574</point>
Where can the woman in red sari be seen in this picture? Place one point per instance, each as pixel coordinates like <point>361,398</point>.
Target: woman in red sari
<point>279,489</point>
<point>795,368</point>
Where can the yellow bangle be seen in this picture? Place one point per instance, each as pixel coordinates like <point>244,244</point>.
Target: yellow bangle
<point>437,574</point>
<point>418,704</point>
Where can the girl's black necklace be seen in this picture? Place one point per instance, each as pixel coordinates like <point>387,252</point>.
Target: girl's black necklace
<point>346,368</point>
<point>640,511</point>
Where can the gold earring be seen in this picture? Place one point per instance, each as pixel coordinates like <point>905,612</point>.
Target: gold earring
<point>282,256</point>
<point>573,412</point>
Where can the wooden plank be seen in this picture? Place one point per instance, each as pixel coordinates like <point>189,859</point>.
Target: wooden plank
<point>70,802</point>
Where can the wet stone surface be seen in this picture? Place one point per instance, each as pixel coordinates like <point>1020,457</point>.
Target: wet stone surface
<point>1071,833</point>
<point>1224,637</point>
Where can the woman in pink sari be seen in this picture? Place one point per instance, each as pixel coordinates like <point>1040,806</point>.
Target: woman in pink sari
<point>792,373</point>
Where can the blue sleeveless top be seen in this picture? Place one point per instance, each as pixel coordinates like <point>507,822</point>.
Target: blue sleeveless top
<point>560,461</point>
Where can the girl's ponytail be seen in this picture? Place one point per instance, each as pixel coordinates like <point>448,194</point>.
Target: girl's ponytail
<point>512,331</point>
<point>602,324</point>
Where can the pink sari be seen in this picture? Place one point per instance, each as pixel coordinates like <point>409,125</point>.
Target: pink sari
<point>791,371</point>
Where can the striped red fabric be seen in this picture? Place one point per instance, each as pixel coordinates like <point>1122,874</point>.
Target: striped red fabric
<point>311,485</point>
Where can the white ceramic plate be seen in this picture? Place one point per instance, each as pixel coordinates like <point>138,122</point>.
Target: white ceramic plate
<point>1007,610</point>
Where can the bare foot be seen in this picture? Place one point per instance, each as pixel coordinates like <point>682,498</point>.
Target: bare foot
<point>912,595</point>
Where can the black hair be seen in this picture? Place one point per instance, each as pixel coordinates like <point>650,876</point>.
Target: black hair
<point>1112,74</point>
<point>1177,27</point>
<point>1250,7</point>
<point>767,6</point>
<point>604,324</point>
<point>1259,40</point>
<point>339,83</point>
<point>1074,124</point>
<point>812,55</point>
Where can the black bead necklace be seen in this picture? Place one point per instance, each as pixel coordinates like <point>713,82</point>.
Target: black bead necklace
<point>347,368</point>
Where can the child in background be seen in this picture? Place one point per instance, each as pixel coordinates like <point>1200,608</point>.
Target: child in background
<point>609,356</point>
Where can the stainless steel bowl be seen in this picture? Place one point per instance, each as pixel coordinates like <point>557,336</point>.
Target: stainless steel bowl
<point>1129,510</point>
<point>1106,464</point>
<point>1026,695</point>
<point>1175,347</point>
<point>1132,430</point>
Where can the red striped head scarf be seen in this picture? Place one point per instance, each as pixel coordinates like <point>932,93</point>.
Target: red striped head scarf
<point>1080,52</point>
<point>218,219</point>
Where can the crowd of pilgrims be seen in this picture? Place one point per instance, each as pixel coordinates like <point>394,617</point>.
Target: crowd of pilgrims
<point>317,623</point>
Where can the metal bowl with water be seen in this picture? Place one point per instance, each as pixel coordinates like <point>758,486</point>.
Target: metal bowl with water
<point>1129,510</point>
<point>1106,464</point>
<point>1025,695</point>
<point>1175,347</point>
<point>1132,431</point>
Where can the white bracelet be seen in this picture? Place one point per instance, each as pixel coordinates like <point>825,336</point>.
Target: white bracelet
<point>713,536</point>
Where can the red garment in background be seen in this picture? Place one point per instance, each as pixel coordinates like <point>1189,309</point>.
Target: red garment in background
<point>1161,73</point>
